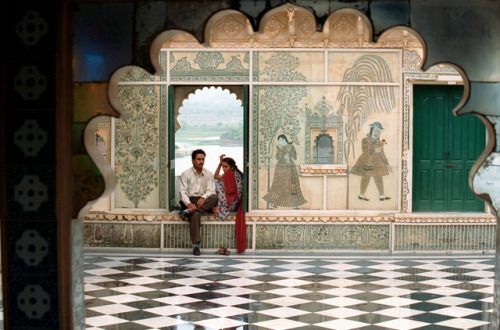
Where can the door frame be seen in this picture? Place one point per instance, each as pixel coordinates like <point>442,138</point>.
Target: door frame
<point>429,80</point>
<point>176,96</point>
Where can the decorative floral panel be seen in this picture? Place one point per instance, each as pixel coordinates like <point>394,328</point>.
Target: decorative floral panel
<point>137,148</point>
<point>446,237</point>
<point>304,66</point>
<point>350,66</point>
<point>121,235</point>
<point>322,237</point>
<point>139,74</point>
<point>209,66</point>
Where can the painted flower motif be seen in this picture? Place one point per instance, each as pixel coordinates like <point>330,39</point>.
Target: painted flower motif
<point>294,235</point>
<point>127,137</point>
<point>182,66</point>
<point>273,26</point>
<point>136,142</point>
<point>209,60</point>
<point>136,152</point>
<point>231,26</point>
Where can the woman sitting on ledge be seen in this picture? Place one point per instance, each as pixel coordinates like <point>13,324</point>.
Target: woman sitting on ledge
<point>229,190</point>
<point>228,187</point>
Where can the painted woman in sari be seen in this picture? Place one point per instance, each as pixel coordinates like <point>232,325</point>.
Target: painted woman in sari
<point>229,190</point>
<point>285,190</point>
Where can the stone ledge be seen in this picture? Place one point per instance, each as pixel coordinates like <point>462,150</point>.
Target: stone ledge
<point>444,218</point>
<point>249,218</point>
<point>337,170</point>
<point>146,217</point>
<point>455,218</point>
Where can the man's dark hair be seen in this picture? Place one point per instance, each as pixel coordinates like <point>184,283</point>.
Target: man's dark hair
<point>197,151</point>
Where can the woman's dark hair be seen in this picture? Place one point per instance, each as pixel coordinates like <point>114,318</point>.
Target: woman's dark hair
<point>283,136</point>
<point>232,163</point>
<point>197,151</point>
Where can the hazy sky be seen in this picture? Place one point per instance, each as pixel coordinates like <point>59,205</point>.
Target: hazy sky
<point>211,98</point>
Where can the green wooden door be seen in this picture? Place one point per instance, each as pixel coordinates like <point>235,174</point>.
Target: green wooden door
<point>171,148</point>
<point>444,149</point>
<point>246,167</point>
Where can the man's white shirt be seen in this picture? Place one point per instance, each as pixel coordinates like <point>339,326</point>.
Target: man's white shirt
<point>194,184</point>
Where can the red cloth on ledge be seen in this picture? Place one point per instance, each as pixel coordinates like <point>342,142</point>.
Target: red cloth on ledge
<point>230,187</point>
<point>241,229</point>
<point>229,180</point>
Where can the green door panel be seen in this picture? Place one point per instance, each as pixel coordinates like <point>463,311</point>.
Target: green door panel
<point>171,148</point>
<point>246,167</point>
<point>445,148</point>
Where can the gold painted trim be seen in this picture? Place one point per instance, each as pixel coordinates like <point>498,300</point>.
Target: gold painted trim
<point>437,218</point>
<point>249,218</point>
<point>323,169</point>
<point>397,218</point>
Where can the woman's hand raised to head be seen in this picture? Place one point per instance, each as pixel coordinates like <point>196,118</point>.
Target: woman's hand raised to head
<point>221,157</point>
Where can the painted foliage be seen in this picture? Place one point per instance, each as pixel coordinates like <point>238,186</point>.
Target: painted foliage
<point>324,125</point>
<point>137,148</point>
<point>280,113</point>
<point>209,66</point>
<point>360,102</point>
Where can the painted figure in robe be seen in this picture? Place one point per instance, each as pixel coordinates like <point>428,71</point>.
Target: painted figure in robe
<point>372,163</point>
<point>285,189</point>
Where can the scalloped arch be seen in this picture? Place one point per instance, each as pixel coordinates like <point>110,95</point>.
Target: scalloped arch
<point>184,93</point>
<point>199,89</point>
<point>228,26</point>
<point>347,28</point>
<point>289,26</point>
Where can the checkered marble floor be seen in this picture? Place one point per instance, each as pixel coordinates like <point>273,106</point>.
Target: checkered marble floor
<point>257,291</point>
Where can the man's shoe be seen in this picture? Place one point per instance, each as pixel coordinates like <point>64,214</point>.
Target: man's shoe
<point>196,251</point>
<point>363,198</point>
<point>384,198</point>
<point>184,214</point>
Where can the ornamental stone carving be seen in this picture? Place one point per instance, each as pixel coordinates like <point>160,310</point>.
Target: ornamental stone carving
<point>308,25</point>
<point>31,192</point>
<point>273,27</point>
<point>33,301</point>
<point>30,83</point>
<point>291,26</point>
<point>230,26</point>
<point>30,137</point>
<point>343,27</point>
<point>31,247</point>
<point>31,28</point>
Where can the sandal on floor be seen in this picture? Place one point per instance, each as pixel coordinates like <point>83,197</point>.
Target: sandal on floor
<point>223,251</point>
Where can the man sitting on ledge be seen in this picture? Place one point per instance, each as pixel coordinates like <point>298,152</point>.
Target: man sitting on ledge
<point>197,195</point>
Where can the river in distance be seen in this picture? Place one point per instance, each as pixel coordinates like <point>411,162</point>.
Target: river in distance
<point>213,152</point>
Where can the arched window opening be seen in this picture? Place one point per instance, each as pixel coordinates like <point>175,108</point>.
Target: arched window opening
<point>324,151</point>
<point>210,118</point>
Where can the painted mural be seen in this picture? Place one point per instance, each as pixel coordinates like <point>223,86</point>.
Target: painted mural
<point>137,148</point>
<point>329,124</point>
<point>372,163</point>
<point>285,189</point>
<point>329,130</point>
<point>210,66</point>
<point>348,117</point>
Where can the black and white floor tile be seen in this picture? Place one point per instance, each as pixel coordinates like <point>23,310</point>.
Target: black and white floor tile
<point>256,291</point>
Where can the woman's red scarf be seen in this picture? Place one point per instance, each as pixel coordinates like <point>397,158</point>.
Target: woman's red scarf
<point>231,189</point>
